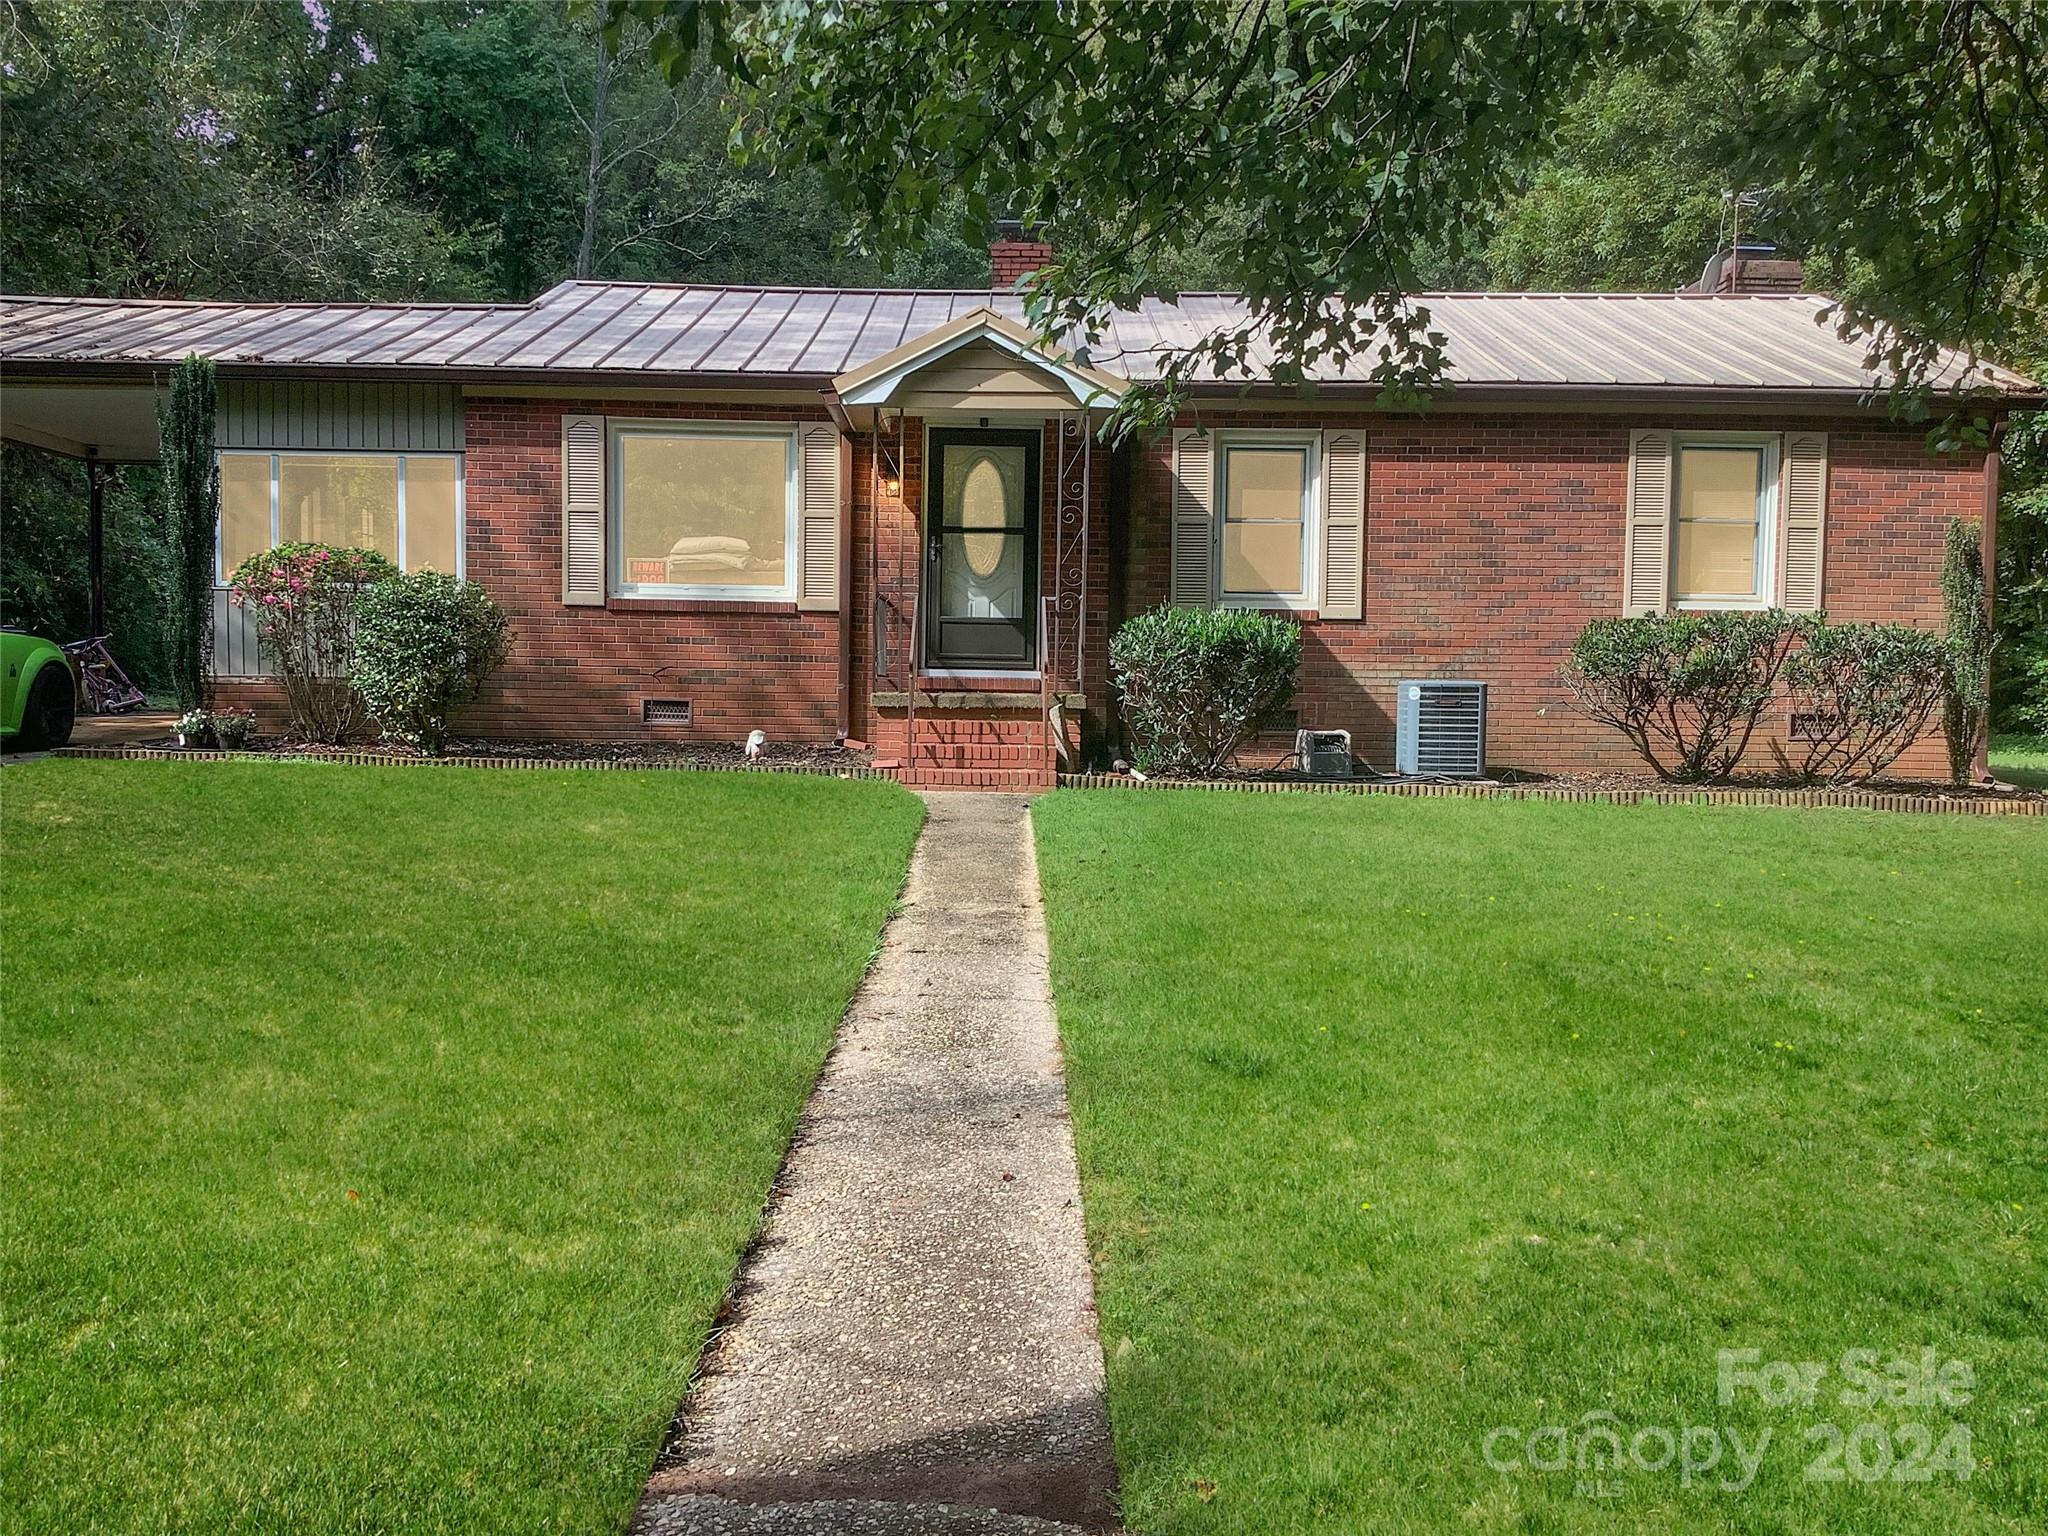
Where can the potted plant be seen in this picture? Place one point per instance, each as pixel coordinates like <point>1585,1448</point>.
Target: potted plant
<point>195,728</point>
<point>233,728</point>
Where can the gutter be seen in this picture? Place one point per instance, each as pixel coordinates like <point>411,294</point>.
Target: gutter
<point>1987,554</point>
<point>1584,396</point>
<point>25,370</point>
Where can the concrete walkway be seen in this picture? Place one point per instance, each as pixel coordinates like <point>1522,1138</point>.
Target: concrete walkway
<point>912,1344</point>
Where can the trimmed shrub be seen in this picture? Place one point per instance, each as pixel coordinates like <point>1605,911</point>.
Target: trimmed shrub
<point>303,597</point>
<point>1861,695</point>
<point>425,643</point>
<point>1686,689</point>
<point>1196,682</point>
<point>1967,705</point>
<point>191,492</point>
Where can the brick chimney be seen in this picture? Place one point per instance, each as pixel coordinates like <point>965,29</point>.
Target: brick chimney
<point>1014,252</point>
<point>1751,268</point>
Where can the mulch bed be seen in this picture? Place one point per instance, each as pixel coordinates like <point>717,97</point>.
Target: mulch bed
<point>1636,783</point>
<point>479,753</point>
<point>1621,789</point>
<point>648,754</point>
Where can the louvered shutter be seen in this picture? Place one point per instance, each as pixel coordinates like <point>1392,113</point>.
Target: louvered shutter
<point>1343,526</point>
<point>583,510</point>
<point>1194,520</point>
<point>1806,515</point>
<point>818,521</point>
<point>1646,562</point>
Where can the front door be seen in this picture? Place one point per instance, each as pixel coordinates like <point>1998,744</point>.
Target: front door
<point>981,548</point>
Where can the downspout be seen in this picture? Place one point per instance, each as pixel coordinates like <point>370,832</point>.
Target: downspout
<point>846,520</point>
<point>1987,535</point>
<point>846,515</point>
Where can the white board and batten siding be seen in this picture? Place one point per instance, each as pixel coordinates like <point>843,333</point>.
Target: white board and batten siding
<point>235,651</point>
<point>301,415</point>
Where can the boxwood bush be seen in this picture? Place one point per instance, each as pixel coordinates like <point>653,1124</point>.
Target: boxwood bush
<point>1195,683</point>
<point>1861,695</point>
<point>1686,689</point>
<point>425,644</point>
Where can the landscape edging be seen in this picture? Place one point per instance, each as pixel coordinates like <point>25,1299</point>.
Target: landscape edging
<point>1852,799</point>
<point>399,760</point>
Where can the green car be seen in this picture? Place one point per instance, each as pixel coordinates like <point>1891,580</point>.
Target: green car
<point>39,695</point>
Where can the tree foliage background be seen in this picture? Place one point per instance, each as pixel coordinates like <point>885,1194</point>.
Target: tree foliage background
<point>352,149</point>
<point>485,149</point>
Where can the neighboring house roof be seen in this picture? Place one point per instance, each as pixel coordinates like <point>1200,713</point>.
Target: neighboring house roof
<point>678,334</point>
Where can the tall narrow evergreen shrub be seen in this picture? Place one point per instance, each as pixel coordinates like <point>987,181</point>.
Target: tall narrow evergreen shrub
<point>1964,711</point>
<point>191,489</point>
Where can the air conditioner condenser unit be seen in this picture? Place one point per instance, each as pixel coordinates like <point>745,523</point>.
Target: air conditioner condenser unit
<point>1440,730</point>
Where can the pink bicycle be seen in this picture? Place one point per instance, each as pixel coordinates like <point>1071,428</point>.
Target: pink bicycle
<point>106,687</point>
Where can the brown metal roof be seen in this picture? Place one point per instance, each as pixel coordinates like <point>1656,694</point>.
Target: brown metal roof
<point>674,334</point>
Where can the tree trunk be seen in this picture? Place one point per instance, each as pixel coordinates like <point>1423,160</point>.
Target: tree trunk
<point>600,88</point>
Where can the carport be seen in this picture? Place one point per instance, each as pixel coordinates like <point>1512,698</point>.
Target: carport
<point>99,424</point>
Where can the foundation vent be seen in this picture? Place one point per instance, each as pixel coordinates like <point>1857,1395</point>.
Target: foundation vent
<point>664,711</point>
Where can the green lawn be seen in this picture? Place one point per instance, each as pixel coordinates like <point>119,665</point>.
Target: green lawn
<point>1403,1121</point>
<point>2021,760</point>
<point>378,1143</point>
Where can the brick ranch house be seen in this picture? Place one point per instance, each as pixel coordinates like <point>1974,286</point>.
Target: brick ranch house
<point>886,517</point>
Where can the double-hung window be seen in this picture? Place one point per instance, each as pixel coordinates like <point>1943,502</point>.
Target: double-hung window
<point>704,510</point>
<point>1266,524</point>
<point>405,506</point>
<point>1725,522</point>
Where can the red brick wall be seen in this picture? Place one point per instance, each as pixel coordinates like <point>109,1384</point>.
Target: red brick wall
<point>1492,540</point>
<point>582,672</point>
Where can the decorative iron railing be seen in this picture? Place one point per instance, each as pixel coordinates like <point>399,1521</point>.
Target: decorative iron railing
<point>1063,659</point>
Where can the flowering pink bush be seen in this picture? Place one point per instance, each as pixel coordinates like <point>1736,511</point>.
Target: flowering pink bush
<point>303,599</point>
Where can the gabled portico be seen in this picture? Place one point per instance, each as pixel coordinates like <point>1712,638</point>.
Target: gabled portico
<point>981,442</point>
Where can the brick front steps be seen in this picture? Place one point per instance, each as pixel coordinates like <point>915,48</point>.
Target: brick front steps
<point>975,742</point>
<point>1858,799</point>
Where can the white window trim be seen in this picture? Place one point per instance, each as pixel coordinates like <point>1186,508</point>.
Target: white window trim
<point>1769,523</point>
<point>618,430</point>
<point>1308,598</point>
<point>220,576</point>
